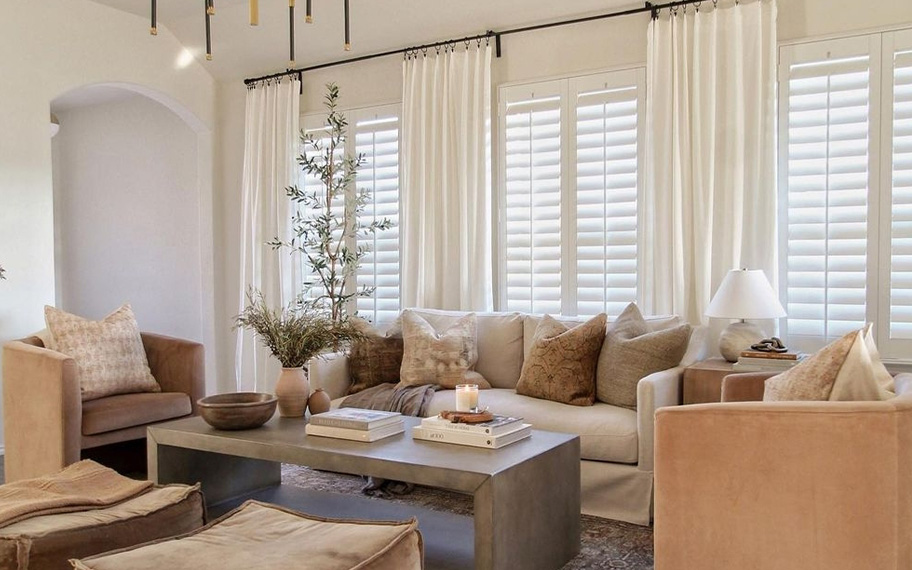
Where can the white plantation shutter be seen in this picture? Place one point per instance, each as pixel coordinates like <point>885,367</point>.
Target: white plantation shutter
<point>900,180</point>
<point>826,173</point>
<point>377,140</point>
<point>531,131</point>
<point>608,114</point>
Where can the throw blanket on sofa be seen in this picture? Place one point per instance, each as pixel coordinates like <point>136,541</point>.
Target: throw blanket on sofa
<point>82,486</point>
<point>408,401</point>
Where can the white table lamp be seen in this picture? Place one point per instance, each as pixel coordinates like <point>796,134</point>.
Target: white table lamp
<point>743,294</point>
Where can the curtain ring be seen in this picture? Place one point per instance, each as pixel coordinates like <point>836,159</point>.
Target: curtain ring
<point>697,7</point>
<point>487,40</point>
<point>424,51</point>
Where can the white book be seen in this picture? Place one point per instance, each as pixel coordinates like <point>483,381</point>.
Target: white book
<point>750,367</point>
<point>356,434</point>
<point>471,439</point>
<point>497,426</point>
<point>355,418</point>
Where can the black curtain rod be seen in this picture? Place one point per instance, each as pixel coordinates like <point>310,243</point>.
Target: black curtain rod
<point>649,7</point>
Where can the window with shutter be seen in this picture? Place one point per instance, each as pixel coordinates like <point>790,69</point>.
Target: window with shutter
<point>826,140</point>
<point>570,177</point>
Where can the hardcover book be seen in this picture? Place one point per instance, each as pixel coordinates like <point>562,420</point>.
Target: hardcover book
<point>355,418</point>
<point>356,434</point>
<point>772,355</point>
<point>472,439</point>
<point>497,426</point>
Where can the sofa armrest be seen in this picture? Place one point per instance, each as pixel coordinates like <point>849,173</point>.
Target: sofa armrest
<point>745,387</point>
<point>655,391</point>
<point>42,411</point>
<point>178,365</point>
<point>825,483</point>
<point>330,372</point>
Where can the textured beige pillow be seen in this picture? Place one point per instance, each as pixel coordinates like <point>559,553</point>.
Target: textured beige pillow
<point>446,358</point>
<point>561,362</point>
<point>376,357</point>
<point>109,353</point>
<point>848,369</point>
<point>631,352</point>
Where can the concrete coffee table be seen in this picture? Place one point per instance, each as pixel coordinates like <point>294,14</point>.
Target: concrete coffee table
<point>526,495</point>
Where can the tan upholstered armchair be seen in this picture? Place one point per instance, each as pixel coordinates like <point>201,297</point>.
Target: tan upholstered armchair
<point>784,485</point>
<point>47,425</point>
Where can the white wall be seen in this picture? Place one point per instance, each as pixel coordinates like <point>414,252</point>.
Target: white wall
<point>571,50</point>
<point>127,215</point>
<point>48,48</point>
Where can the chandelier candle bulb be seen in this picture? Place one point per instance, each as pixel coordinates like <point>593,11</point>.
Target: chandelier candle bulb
<point>211,8</point>
<point>154,29</point>
<point>308,12</point>
<point>466,397</point>
<point>347,28</point>
<point>254,12</point>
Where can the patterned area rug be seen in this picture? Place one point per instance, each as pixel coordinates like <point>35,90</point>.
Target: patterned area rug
<point>605,543</point>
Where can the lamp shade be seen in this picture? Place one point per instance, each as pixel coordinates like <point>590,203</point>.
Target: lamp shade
<point>745,294</point>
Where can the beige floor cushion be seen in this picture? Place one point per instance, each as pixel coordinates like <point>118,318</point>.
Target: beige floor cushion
<point>257,535</point>
<point>607,433</point>
<point>128,410</point>
<point>47,542</point>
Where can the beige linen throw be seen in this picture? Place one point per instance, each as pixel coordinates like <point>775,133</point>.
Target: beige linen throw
<point>82,486</point>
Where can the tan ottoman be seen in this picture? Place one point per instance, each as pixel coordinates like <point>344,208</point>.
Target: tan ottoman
<point>258,535</point>
<point>47,542</point>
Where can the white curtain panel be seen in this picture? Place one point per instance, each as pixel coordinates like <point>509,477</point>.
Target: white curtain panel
<point>271,144</point>
<point>445,186</point>
<point>710,199</point>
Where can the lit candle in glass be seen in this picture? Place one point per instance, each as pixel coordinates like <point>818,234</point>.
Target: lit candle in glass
<point>466,397</point>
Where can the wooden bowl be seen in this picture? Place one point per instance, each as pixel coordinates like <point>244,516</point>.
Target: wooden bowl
<point>237,410</point>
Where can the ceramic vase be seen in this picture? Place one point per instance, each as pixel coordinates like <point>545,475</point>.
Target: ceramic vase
<point>319,402</point>
<point>292,391</point>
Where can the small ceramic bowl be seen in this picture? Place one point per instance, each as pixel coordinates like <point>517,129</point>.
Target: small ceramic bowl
<point>237,410</point>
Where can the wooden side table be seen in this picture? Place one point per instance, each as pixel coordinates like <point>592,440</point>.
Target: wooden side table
<point>703,380</point>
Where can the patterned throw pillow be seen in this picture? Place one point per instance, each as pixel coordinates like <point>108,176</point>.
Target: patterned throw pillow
<point>376,357</point>
<point>631,352</point>
<point>109,353</point>
<point>446,358</point>
<point>561,363</point>
<point>848,369</point>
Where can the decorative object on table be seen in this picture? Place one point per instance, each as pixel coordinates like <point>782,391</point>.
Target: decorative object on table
<point>773,345</point>
<point>318,402</point>
<point>428,432</point>
<point>321,229</point>
<point>294,335</point>
<point>743,294</point>
<point>492,425</point>
<point>467,397</point>
<point>237,410</point>
<point>356,424</point>
<point>768,354</point>
<point>460,417</point>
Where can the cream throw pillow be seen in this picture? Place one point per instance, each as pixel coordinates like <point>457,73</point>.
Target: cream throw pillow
<point>446,358</point>
<point>848,369</point>
<point>631,352</point>
<point>109,353</point>
<point>376,357</point>
<point>562,360</point>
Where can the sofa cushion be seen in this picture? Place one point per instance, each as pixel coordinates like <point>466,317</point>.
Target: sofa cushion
<point>561,364</point>
<point>128,410</point>
<point>109,353</point>
<point>631,352</point>
<point>47,542</point>
<point>446,358</point>
<point>258,535</point>
<point>607,433</point>
<point>376,357</point>
<point>499,341</point>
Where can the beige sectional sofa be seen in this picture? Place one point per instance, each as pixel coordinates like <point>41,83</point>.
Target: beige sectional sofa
<point>616,444</point>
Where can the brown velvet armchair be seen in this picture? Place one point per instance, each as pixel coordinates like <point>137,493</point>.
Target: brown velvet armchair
<point>784,485</point>
<point>47,425</point>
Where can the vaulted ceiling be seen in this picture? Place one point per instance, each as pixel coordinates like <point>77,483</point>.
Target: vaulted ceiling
<point>241,50</point>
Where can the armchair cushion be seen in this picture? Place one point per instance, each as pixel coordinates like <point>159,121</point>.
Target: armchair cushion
<point>128,410</point>
<point>109,354</point>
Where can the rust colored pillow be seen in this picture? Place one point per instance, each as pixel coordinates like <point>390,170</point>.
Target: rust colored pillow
<point>376,357</point>
<point>562,361</point>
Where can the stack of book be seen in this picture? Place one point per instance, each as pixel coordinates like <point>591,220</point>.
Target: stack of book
<point>493,434</point>
<point>759,361</point>
<point>355,424</point>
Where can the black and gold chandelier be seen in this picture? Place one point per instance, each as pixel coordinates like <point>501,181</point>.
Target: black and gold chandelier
<point>209,11</point>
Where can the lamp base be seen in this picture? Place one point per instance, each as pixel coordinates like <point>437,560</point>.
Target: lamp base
<point>736,337</point>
